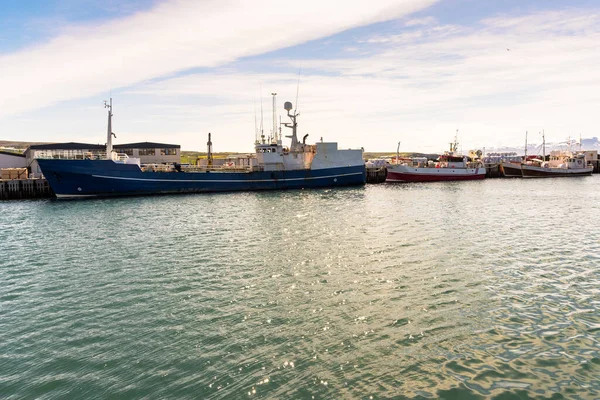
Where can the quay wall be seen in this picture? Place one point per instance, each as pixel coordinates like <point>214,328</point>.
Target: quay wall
<point>25,189</point>
<point>376,175</point>
<point>493,170</point>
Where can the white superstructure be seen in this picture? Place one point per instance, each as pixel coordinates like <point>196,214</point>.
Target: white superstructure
<point>274,156</point>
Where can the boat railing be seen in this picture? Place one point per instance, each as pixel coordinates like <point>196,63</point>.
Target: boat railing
<point>82,156</point>
<point>120,157</point>
<point>204,168</point>
<point>157,168</point>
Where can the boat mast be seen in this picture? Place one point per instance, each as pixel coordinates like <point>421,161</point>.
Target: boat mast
<point>209,155</point>
<point>525,158</point>
<point>544,144</point>
<point>397,153</point>
<point>275,138</point>
<point>288,107</point>
<point>109,133</point>
<point>454,146</point>
<point>262,133</point>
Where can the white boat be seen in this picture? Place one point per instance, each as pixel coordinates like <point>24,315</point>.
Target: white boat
<point>562,164</point>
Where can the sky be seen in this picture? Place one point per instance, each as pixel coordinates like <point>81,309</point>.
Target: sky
<point>363,74</point>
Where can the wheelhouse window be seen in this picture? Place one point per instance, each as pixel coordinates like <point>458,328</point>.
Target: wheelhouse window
<point>168,152</point>
<point>147,152</point>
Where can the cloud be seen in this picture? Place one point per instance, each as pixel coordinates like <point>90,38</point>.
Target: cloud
<point>173,36</point>
<point>449,77</point>
<point>391,89</point>
<point>421,21</point>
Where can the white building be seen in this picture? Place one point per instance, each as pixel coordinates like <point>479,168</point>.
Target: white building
<point>12,160</point>
<point>151,153</point>
<point>147,152</point>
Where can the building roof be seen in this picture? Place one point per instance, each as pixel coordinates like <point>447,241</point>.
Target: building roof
<point>88,146</point>
<point>9,153</point>
<point>66,146</point>
<point>146,145</point>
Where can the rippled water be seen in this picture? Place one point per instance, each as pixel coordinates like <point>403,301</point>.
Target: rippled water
<point>444,290</point>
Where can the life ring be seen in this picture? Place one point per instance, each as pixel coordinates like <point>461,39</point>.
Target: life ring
<point>452,166</point>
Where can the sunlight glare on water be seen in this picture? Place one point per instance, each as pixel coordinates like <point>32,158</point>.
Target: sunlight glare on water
<point>444,290</point>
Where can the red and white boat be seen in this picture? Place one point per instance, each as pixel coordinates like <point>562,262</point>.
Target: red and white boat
<point>449,167</point>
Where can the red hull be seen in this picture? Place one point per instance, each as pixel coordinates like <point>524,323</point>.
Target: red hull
<point>405,177</point>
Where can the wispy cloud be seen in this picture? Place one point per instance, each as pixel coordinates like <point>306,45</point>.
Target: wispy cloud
<point>421,21</point>
<point>173,36</point>
<point>492,80</point>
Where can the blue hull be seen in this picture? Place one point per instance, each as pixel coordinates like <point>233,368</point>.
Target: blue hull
<point>89,178</point>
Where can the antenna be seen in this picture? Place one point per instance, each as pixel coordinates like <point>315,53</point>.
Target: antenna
<point>297,90</point>
<point>262,134</point>
<point>109,133</point>
<point>274,118</point>
<point>255,124</point>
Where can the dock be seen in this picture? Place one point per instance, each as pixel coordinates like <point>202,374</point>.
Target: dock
<point>492,170</point>
<point>25,189</point>
<point>376,174</point>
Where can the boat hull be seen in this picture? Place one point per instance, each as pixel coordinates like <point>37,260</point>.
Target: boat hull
<point>401,173</point>
<point>530,171</point>
<point>510,170</point>
<point>105,178</point>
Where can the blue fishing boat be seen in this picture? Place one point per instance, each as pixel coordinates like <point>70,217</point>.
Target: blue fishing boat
<point>272,167</point>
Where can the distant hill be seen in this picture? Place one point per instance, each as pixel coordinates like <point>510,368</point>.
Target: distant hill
<point>18,145</point>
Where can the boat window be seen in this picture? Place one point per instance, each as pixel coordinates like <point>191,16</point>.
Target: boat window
<point>147,152</point>
<point>168,152</point>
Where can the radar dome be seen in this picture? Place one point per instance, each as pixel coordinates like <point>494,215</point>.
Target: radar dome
<point>287,106</point>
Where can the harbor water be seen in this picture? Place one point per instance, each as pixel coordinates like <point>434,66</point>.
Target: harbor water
<point>455,290</point>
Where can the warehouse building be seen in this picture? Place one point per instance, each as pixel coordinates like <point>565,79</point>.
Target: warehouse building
<point>147,152</point>
<point>9,159</point>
